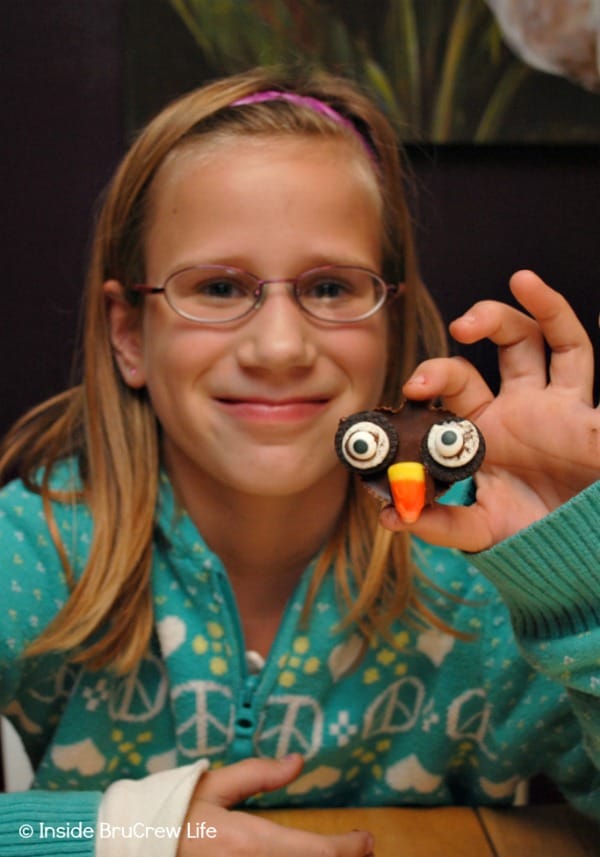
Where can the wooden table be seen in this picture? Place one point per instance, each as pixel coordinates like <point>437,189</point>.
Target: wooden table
<point>532,831</point>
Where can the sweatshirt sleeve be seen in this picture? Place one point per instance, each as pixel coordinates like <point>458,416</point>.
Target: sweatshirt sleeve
<point>44,823</point>
<point>134,818</point>
<point>549,576</point>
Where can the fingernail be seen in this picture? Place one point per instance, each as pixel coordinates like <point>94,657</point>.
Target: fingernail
<point>370,839</point>
<point>467,318</point>
<point>417,380</point>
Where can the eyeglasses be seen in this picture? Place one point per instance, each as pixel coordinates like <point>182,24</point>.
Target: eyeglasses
<point>217,294</point>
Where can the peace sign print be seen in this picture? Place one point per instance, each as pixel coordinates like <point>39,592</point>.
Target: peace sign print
<point>298,728</point>
<point>141,694</point>
<point>205,716</point>
<point>396,709</point>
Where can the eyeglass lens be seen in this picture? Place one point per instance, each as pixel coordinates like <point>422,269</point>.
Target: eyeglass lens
<point>218,293</point>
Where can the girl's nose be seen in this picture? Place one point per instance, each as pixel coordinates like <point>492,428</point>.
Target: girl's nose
<point>278,336</point>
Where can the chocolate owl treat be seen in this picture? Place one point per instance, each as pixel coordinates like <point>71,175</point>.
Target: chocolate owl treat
<point>409,456</point>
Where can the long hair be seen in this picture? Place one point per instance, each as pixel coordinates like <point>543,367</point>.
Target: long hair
<point>111,429</point>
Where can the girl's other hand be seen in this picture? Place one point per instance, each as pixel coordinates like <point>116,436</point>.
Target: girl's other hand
<point>241,834</point>
<point>542,430</point>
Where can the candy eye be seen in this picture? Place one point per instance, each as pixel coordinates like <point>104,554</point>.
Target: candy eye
<point>453,444</point>
<point>366,445</point>
<point>446,443</point>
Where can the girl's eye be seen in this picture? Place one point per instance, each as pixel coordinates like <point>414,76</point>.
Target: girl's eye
<point>328,290</point>
<point>222,289</point>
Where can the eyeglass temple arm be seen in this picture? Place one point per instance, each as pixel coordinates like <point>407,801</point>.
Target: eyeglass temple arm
<point>147,290</point>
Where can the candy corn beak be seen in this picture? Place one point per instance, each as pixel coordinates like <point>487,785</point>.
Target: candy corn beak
<point>407,485</point>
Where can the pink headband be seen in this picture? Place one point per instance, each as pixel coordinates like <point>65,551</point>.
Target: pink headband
<point>312,104</point>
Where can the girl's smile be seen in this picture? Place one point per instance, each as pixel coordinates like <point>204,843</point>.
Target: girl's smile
<point>273,411</point>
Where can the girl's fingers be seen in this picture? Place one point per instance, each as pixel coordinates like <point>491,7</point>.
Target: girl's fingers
<point>520,337</point>
<point>272,838</point>
<point>232,784</point>
<point>572,358</point>
<point>453,379</point>
<point>521,357</point>
<point>300,843</point>
<point>462,527</point>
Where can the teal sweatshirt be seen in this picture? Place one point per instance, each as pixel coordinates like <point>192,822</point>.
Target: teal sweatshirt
<point>420,717</point>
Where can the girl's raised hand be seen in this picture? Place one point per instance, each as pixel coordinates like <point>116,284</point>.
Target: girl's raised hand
<point>542,430</point>
<point>241,834</point>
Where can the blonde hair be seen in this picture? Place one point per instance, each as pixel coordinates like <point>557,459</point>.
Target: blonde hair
<point>111,428</point>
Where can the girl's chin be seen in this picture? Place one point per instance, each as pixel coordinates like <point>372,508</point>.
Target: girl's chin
<point>270,484</point>
<point>249,464</point>
<point>276,473</point>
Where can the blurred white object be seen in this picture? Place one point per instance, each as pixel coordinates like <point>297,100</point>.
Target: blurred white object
<point>17,769</point>
<point>558,36</point>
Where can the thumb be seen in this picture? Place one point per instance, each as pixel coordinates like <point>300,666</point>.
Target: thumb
<point>232,784</point>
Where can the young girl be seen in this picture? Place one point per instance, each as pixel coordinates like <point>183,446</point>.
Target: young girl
<point>191,577</point>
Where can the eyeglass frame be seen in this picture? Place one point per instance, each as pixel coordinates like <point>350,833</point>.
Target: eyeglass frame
<point>389,291</point>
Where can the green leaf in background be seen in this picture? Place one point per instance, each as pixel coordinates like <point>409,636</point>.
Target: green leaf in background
<point>439,68</point>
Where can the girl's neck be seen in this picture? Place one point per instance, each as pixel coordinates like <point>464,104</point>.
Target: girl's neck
<point>265,543</point>
<point>263,539</point>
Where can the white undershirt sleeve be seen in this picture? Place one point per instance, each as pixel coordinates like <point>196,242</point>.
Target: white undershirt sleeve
<point>143,818</point>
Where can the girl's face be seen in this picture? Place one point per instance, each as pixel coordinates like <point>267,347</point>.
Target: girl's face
<point>253,406</point>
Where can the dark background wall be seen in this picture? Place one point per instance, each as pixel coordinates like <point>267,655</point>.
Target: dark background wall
<point>61,137</point>
<point>481,212</point>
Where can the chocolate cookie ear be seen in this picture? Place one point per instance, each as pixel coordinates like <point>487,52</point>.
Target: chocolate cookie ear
<point>452,450</point>
<point>366,442</point>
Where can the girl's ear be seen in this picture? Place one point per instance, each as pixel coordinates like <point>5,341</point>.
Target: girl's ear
<point>125,334</point>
